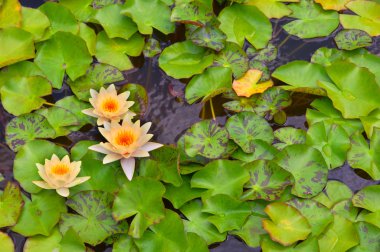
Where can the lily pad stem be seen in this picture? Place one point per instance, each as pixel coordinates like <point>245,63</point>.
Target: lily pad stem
<point>212,110</point>
<point>49,103</point>
<point>284,41</point>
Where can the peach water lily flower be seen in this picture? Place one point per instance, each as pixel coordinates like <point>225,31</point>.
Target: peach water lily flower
<point>125,142</point>
<point>108,105</point>
<point>59,174</point>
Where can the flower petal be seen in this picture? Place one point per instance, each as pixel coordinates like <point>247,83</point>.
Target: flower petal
<point>140,153</point>
<point>89,112</point>
<point>93,93</point>
<point>128,165</point>
<point>63,191</point>
<point>99,148</point>
<point>149,146</point>
<point>145,128</point>
<point>111,158</point>
<point>42,184</point>
<point>78,181</point>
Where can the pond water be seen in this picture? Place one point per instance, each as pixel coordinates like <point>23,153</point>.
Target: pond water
<point>171,116</point>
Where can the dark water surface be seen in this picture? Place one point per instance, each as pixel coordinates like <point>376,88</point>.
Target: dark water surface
<point>171,116</point>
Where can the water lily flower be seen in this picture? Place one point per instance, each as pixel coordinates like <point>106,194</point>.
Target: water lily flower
<point>59,174</point>
<point>125,142</point>
<point>247,85</point>
<point>108,105</point>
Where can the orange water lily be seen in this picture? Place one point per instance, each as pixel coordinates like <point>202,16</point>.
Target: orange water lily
<point>125,142</point>
<point>59,174</point>
<point>247,85</point>
<point>108,105</point>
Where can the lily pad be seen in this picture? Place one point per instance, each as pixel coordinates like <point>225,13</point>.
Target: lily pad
<point>232,56</point>
<point>246,127</point>
<point>197,12</point>
<point>184,59</point>
<point>25,128</point>
<point>272,101</point>
<point>265,55</point>
<point>209,36</point>
<point>252,231</point>
<point>139,95</point>
<point>333,193</point>
<point>267,181</point>
<point>152,48</point>
<point>11,204</point>
<point>81,9</point>
<point>10,13</point>
<point>60,119</point>
<point>307,166</point>
<point>371,122</point>
<point>287,224</point>
<point>333,4</point>
<point>367,198</point>
<point>272,8</point>
<point>207,139</point>
<point>142,198</point>
<point>94,221</point>
<point>6,243</point>
<point>34,21</point>
<point>310,244</point>
<point>369,238</point>
<point>263,150</point>
<point>352,39</point>
<point>288,136</point>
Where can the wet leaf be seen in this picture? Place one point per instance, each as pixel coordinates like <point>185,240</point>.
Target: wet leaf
<point>159,17</point>
<point>333,4</point>
<point>197,12</point>
<point>371,122</point>
<point>267,181</point>
<point>35,151</point>
<point>63,52</point>
<point>34,21</point>
<point>288,136</point>
<point>367,18</point>
<point>333,193</point>
<point>212,82</point>
<point>312,21</point>
<point>184,59</point>
<point>139,95</point>
<point>272,101</point>
<point>369,238</point>
<point>40,214</point>
<point>331,140</point>
<point>16,45</point>
<point>308,168</point>
<point>10,14</point>
<point>367,198</point>
<point>152,48</point>
<point>60,119</point>
<point>240,22</point>
<point>94,221</point>
<point>141,198</point>
<point>232,56</point>
<point>207,139</point>
<point>352,39</point>
<point>252,231</point>
<point>272,8</point>
<point>286,225</point>
<point>6,243</point>
<point>178,196</point>
<point>209,36</point>
<point>221,177</point>
<point>25,128</point>
<point>96,77</point>
<point>11,205</point>
<point>248,84</point>
<point>197,222</point>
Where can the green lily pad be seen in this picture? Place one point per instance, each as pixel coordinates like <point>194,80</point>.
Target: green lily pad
<point>152,48</point>
<point>96,77</point>
<point>94,221</point>
<point>252,231</point>
<point>209,36</point>
<point>10,13</point>
<point>184,59</point>
<point>35,151</point>
<point>6,243</point>
<point>34,21</point>
<point>346,209</point>
<point>331,140</point>
<point>369,238</point>
<point>63,52</point>
<point>352,39</point>
<point>371,122</point>
<point>288,136</point>
<point>124,243</point>
<point>367,198</point>
<point>142,198</point>
<point>267,181</point>
<point>81,9</point>
<point>333,193</point>
<point>240,22</point>
<point>168,235</point>
<point>310,244</point>
<point>263,150</point>
<point>25,128</point>
<point>232,56</point>
<point>11,204</point>
<point>139,95</point>
<point>159,17</point>
<point>363,156</point>
<point>89,36</point>
<point>60,119</point>
<point>272,101</point>
<point>207,139</point>
<point>212,82</point>
<point>287,224</point>
<point>325,56</point>
<point>47,206</point>
<point>196,243</point>
<point>340,236</point>
<point>241,105</point>
<point>197,222</point>
<point>370,217</point>
<point>272,8</point>
<point>367,18</point>
<point>312,21</point>
<point>197,12</point>
<point>307,166</point>
<point>221,177</point>
<point>265,55</point>
<point>246,127</point>
<point>367,60</point>
<point>16,45</point>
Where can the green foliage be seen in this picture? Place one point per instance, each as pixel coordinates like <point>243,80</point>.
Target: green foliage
<point>6,243</point>
<point>352,39</point>
<point>11,204</point>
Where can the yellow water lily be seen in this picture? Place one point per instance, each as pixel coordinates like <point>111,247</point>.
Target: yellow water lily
<point>125,142</point>
<point>108,105</point>
<point>247,85</point>
<point>59,174</point>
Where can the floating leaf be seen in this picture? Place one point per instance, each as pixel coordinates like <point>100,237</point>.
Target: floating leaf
<point>63,52</point>
<point>241,105</point>
<point>207,139</point>
<point>264,55</point>
<point>10,14</point>
<point>11,205</point>
<point>352,39</point>
<point>272,8</point>
<point>209,36</point>
<point>152,48</point>
<point>367,60</point>
<point>325,56</point>
<point>310,244</point>
<point>94,221</point>
<point>367,198</point>
<point>272,101</point>
<point>81,9</point>
<point>246,127</point>
<point>139,95</point>
<point>35,151</point>
<point>184,59</point>
<point>288,136</point>
<point>124,243</point>
<point>196,243</point>
<point>141,197</point>
<point>6,243</point>
<point>60,119</point>
<point>267,181</point>
<point>34,21</point>
<point>16,45</point>
<point>25,128</point>
<point>346,209</point>
<point>307,166</point>
<point>159,17</point>
<point>247,85</point>
<point>96,77</point>
<point>240,22</point>
<point>197,12</point>
<point>212,82</point>
<point>252,231</point>
<point>232,56</point>
<point>369,238</point>
<point>333,4</point>
<point>312,21</point>
<point>287,224</point>
<point>333,193</point>
<point>89,36</point>
<point>178,196</point>
<point>371,122</point>
<point>221,177</point>
<point>40,214</point>
<point>263,150</point>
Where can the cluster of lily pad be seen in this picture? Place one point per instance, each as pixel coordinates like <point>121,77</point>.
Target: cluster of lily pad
<point>268,187</point>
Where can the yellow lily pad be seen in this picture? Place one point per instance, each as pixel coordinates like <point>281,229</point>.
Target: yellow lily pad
<point>247,85</point>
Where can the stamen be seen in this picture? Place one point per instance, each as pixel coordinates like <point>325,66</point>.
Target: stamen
<point>60,169</point>
<point>110,105</point>
<point>125,138</point>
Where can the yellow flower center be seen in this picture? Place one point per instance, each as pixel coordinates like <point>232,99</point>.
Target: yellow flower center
<point>125,138</point>
<point>110,105</point>
<point>60,169</point>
